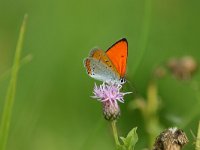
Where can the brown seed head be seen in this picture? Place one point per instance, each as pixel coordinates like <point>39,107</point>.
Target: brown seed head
<point>171,139</point>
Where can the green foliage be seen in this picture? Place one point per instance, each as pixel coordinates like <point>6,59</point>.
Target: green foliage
<point>149,110</point>
<point>53,109</point>
<point>130,140</point>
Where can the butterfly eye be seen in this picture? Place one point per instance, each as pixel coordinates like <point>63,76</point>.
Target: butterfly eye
<point>122,80</point>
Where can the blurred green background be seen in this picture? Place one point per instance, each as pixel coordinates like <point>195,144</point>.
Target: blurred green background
<point>53,109</point>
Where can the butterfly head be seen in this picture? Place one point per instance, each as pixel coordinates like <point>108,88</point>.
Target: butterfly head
<point>122,80</point>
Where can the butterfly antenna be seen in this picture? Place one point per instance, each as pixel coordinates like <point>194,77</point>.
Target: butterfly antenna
<point>131,87</point>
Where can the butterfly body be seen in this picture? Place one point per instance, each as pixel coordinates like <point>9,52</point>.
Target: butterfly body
<point>109,66</point>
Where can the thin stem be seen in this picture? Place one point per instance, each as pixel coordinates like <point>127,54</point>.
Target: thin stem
<point>10,95</point>
<point>24,61</point>
<point>198,138</point>
<point>115,134</point>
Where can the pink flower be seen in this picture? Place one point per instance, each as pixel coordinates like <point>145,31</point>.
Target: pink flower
<point>109,95</point>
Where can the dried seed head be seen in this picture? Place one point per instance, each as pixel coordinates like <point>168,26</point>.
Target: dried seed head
<point>182,68</point>
<point>171,139</point>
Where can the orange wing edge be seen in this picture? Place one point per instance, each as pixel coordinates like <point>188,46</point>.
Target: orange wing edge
<point>122,39</point>
<point>86,63</point>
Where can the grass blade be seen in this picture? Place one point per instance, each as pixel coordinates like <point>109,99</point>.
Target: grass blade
<point>198,138</point>
<point>28,58</point>
<point>9,101</point>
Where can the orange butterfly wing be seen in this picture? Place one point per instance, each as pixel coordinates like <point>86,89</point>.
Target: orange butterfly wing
<point>118,53</point>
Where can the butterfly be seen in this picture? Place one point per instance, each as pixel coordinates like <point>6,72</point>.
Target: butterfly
<point>108,66</point>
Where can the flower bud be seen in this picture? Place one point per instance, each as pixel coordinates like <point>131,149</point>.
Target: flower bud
<point>110,111</point>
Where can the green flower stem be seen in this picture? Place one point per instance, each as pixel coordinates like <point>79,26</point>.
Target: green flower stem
<point>115,134</point>
<point>9,101</point>
<point>198,138</point>
<point>151,117</point>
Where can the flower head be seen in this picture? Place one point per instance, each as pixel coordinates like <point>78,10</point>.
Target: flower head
<point>109,95</point>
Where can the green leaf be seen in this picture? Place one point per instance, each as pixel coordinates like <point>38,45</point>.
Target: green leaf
<point>130,141</point>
